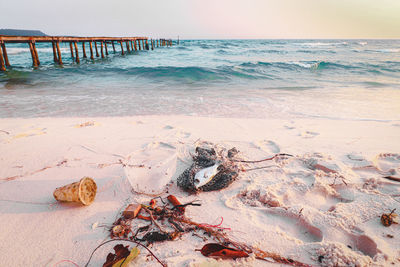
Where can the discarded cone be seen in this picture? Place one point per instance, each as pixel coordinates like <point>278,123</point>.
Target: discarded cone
<point>83,191</point>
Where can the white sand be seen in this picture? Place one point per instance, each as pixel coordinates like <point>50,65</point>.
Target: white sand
<point>290,209</point>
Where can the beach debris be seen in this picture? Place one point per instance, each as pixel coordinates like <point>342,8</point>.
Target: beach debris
<point>132,211</point>
<point>213,168</point>
<point>85,124</point>
<point>392,178</point>
<point>220,251</point>
<point>177,204</point>
<point>83,191</point>
<point>125,240</point>
<point>122,256</point>
<point>95,225</point>
<point>389,219</point>
<point>168,222</point>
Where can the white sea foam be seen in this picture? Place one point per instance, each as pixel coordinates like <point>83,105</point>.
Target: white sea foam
<point>20,50</point>
<point>323,44</point>
<point>16,50</point>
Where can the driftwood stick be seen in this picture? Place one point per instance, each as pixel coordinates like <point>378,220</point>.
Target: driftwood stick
<point>153,220</point>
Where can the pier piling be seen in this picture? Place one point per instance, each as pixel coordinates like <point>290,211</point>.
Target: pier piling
<point>5,56</point>
<point>59,53</point>
<point>91,50</point>
<point>97,51</point>
<point>53,44</point>
<point>35,64</point>
<point>2,66</point>
<point>112,42</point>
<point>101,49</point>
<point>72,50</point>
<point>36,53</point>
<point>105,47</point>
<point>122,48</point>
<point>83,50</point>
<point>76,53</point>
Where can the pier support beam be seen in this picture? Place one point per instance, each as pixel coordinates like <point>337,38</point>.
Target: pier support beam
<point>36,53</point>
<point>55,58</point>
<point>122,48</point>
<point>5,55</point>
<point>147,45</point>
<point>97,51</point>
<point>138,41</point>
<point>76,53</point>
<point>84,50</point>
<point>91,50</point>
<point>127,46</point>
<point>134,43</point>
<point>33,55</point>
<point>72,50</point>
<point>2,66</point>
<point>112,42</point>
<point>105,46</point>
<point>101,46</point>
<point>59,53</point>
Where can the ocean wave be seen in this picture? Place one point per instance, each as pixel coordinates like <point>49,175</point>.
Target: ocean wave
<point>323,44</point>
<point>21,50</point>
<point>388,50</point>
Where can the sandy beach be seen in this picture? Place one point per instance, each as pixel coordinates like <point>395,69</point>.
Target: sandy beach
<point>320,207</point>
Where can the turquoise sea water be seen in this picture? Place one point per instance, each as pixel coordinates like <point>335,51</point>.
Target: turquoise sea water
<point>338,79</point>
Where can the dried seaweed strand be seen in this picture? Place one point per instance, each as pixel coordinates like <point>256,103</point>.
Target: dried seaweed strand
<point>221,237</point>
<point>153,220</point>
<point>257,161</point>
<point>127,240</point>
<point>392,178</point>
<point>11,178</point>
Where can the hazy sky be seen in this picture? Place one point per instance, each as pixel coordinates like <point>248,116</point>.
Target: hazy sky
<point>207,18</point>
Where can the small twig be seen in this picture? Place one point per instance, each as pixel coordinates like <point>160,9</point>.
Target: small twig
<point>153,220</point>
<point>257,161</point>
<point>258,168</point>
<point>127,240</point>
<point>175,225</point>
<point>392,178</point>
<point>4,132</point>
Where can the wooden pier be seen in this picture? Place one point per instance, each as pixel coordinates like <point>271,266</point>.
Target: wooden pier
<point>131,44</point>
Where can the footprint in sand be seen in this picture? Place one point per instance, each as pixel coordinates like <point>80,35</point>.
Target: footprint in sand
<point>289,225</point>
<point>308,134</point>
<point>183,134</point>
<point>289,127</point>
<point>267,146</point>
<point>168,127</point>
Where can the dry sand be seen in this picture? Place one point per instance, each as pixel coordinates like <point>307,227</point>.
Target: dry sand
<point>292,208</point>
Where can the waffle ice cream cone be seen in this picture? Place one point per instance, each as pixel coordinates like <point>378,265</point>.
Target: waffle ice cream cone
<point>83,191</point>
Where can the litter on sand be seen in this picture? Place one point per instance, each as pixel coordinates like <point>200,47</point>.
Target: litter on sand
<point>83,191</point>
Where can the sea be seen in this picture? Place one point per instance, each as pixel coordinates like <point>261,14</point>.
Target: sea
<point>331,79</point>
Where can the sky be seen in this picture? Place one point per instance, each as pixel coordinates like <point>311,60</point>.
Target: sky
<point>207,19</point>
